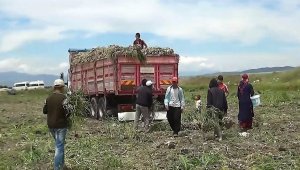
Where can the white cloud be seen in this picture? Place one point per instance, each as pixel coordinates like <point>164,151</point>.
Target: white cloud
<point>10,63</point>
<point>14,39</point>
<point>244,22</point>
<point>227,20</point>
<point>235,62</point>
<point>64,65</point>
<point>191,60</point>
<point>195,65</point>
<point>36,66</point>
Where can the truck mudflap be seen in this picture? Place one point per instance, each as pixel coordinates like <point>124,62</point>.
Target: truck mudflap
<point>129,116</point>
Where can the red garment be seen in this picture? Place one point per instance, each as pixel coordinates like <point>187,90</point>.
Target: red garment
<point>223,87</point>
<point>140,42</point>
<point>175,79</point>
<point>246,124</point>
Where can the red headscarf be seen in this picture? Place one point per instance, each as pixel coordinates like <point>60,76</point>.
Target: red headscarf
<point>245,76</point>
<point>243,83</point>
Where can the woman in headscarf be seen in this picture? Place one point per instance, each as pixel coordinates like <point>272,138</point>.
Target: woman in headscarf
<point>216,104</point>
<point>246,114</point>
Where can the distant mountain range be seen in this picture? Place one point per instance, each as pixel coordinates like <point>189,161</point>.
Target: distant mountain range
<point>9,78</point>
<point>269,69</point>
<point>255,71</point>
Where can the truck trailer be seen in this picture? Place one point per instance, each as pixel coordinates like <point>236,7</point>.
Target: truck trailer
<point>111,83</point>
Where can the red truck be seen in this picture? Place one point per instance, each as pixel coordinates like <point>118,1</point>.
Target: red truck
<point>111,85</point>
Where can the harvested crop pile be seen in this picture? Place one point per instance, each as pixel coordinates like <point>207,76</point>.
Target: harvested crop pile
<point>113,51</point>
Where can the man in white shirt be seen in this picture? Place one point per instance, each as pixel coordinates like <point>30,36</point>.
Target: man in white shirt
<point>174,103</point>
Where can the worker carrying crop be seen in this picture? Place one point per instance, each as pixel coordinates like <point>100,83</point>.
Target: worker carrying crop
<point>57,116</point>
<point>143,103</point>
<point>139,42</point>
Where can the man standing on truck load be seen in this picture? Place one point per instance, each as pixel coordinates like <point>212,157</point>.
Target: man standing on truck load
<point>143,103</point>
<point>139,42</point>
<point>57,121</point>
<point>174,103</point>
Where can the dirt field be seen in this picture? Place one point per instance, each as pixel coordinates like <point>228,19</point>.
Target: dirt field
<point>273,143</point>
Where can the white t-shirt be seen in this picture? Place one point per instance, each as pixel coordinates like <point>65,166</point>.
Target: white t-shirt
<point>174,98</point>
<point>198,104</point>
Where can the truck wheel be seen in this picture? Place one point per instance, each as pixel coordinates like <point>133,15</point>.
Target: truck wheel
<point>102,107</point>
<point>112,112</point>
<point>94,108</point>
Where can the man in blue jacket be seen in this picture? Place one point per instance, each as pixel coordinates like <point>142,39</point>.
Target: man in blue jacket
<point>174,103</point>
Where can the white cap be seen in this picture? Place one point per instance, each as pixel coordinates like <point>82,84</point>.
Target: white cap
<point>59,82</point>
<point>149,83</point>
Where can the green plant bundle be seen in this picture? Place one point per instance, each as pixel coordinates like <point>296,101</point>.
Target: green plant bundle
<point>135,52</point>
<point>77,107</point>
<point>211,118</point>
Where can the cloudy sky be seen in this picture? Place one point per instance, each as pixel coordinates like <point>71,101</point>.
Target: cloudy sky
<point>209,35</point>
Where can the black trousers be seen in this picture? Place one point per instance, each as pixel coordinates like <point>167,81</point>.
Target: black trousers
<point>174,118</point>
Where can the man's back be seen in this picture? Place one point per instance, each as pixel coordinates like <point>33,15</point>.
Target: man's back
<point>56,114</point>
<point>144,96</point>
<point>216,98</point>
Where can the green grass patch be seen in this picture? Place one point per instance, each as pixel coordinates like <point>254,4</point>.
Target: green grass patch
<point>208,160</point>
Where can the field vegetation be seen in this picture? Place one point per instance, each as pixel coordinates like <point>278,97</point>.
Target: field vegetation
<point>273,143</point>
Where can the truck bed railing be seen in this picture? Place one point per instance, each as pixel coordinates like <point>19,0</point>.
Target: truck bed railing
<point>74,50</point>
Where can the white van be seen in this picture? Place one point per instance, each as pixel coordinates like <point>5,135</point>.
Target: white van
<point>21,85</point>
<point>36,85</point>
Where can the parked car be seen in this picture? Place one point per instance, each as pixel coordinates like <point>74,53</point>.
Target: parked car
<point>36,85</point>
<point>21,85</point>
<point>4,89</point>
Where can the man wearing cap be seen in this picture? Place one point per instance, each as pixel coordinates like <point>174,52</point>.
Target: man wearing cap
<point>57,121</point>
<point>143,103</point>
<point>174,103</point>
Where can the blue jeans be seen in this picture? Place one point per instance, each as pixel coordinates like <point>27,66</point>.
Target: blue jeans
<point>59,136</point>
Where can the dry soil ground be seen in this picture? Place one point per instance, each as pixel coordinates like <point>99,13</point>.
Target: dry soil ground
<point>273,143</point>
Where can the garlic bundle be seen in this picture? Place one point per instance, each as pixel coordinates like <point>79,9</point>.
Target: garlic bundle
<point>113,51</point>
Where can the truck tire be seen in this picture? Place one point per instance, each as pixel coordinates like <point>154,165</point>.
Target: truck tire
<point>102,107</point>
<point>113,112</point>
<point>94,108</point>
